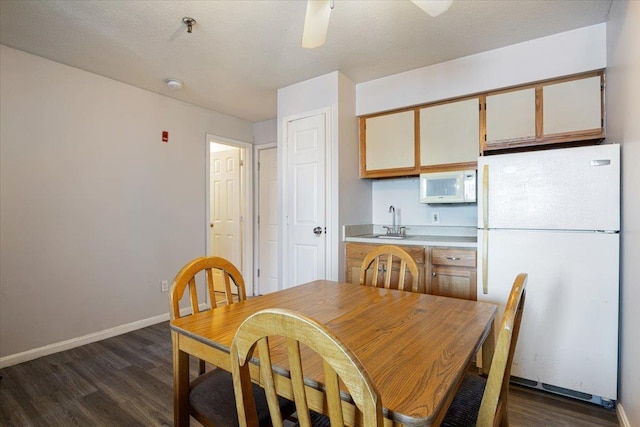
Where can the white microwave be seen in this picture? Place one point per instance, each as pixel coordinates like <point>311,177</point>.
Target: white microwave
<point>448,187</point>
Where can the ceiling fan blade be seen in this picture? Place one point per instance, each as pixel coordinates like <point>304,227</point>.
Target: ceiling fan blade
<point>433,7</point>
<point>316,23</point>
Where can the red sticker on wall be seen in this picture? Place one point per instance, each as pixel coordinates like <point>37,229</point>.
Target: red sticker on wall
<point>165,136</point>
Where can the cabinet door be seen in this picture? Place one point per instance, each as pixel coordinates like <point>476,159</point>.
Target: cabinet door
<point>511,117</point>
<point>453,273</point>
<point>449,133</point>
<point>573,106</point>
<point>389,144</point>
<point>452,282</point>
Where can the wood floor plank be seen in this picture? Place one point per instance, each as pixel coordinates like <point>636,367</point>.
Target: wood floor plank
<point>16,408</point>
<point>528,407</point>
<point>128,381</point>
<point>106,411</point>
<point>70,413</point>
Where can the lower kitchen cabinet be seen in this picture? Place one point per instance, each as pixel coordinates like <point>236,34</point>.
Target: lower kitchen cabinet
<point>356,252</point>
<point>453,272</point>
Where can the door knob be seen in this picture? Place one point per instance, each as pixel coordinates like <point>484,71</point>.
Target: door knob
<point>317,231</point>
<point>211,225</point>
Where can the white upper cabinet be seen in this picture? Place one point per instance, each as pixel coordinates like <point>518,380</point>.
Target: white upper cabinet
<point>565,110</point>
<point>449,133</point>
<point>572,106</point>
<point>511,116</point>
<point>389,144</point>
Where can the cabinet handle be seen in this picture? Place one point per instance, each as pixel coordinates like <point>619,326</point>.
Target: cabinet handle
<point>452,258</point>
<point>485,196</point>
<point>485,262</point>
<point>433,274</point>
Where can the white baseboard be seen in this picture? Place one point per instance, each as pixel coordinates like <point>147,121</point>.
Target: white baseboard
<point>622,416</point>
<point>14,359</point>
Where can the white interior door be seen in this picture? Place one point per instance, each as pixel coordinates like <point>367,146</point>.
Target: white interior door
<point>305,215</point>
<point>225,209</point>
<point>268,220</point>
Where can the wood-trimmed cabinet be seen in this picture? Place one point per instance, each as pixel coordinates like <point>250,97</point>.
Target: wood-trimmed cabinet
<point>388,144</point>
<point>356,252</point>
<point>444,271</point>
<point>552,112</point>
<point>510,118</point>
<point>452,272</point>
<point>450,135</point>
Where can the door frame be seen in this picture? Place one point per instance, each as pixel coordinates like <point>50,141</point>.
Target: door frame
<point>256,204</point>
<point>283,272</point>
<point>246,189</point>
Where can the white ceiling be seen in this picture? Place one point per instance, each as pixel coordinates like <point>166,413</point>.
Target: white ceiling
<point>241,52</point>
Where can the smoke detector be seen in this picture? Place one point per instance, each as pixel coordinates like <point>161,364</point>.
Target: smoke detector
<point>174,84</point>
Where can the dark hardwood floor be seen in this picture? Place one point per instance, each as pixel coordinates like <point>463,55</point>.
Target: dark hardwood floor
<point>127,381</point>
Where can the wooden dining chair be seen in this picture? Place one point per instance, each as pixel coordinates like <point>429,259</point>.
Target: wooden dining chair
<point>380,260</point>
<point>481,402</point>
<point>339,363</point>
<point>211,396</point>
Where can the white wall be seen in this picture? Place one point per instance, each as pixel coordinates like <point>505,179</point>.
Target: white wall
<point>354,194</point>
<point>265,132</point>
<point>623,111</point>
<point>562,54</point>
<point>95,210</point>
<point>404,195</point>
<point>350,196</point>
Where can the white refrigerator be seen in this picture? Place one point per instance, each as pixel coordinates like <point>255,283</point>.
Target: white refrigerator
<point>555,214</point>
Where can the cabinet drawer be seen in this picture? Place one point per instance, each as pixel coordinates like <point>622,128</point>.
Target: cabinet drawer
<point>454,257</point>
<point>360,250</point>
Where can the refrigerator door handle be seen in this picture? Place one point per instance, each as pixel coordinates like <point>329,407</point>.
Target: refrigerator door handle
<point>485,196</point>
<point>485,261</point>
<point>600,162</point>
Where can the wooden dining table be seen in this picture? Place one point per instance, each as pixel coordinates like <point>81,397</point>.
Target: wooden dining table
<point>415,347</point>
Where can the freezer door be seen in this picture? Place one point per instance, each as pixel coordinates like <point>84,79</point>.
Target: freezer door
<point>563,189</point>
<point>569,332</point>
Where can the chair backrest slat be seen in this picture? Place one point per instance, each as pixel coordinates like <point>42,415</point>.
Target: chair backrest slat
<point>210,287</point>
<point>332,389</point>
<point>193,296</point>
<point>297,382</point>
<point>268,381</point>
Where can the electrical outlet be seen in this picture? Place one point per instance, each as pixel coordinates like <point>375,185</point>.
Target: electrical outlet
<point>435,217</point>
<point>164,286</point>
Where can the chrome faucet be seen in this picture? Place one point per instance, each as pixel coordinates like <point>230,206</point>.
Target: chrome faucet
<point>393,231</point>
<point>392,211</point>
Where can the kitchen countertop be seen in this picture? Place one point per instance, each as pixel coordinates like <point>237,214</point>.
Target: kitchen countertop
<point>460,237</point>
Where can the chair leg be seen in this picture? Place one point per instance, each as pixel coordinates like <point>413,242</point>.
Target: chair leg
<point>504,415</point>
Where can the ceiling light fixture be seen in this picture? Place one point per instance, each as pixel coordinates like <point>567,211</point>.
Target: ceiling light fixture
<point>174,84</point>
<point>433,7</point>
<point>189,22</point>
